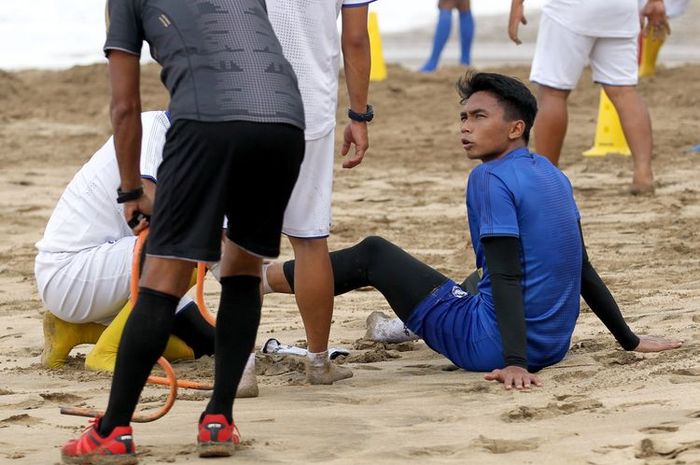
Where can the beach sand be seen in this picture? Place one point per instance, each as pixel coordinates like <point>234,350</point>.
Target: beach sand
<point>405,403</point>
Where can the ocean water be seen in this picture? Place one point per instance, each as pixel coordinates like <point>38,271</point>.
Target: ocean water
<point>64,33</point>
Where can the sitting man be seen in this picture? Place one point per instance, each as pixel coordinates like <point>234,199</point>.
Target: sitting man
<point>84,260</point>
<point>526,234</point>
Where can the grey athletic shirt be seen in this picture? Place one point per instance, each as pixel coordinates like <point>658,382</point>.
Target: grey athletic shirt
<point>221,59</point>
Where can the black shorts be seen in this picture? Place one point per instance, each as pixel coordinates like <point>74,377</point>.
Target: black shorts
<point>240,169</point>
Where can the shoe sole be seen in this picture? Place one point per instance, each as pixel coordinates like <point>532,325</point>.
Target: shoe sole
<point>121,459</point>
<point>215,449</point>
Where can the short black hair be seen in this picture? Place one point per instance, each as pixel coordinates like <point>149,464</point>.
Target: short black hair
<point>514,96</point>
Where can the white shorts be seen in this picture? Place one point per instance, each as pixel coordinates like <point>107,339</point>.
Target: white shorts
<point>308,214</point>
<point>561,55</point>
<point>89,286</point>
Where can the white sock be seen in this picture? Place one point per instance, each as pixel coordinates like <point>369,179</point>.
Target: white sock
<point>318,359</point>
<point>266,285</point>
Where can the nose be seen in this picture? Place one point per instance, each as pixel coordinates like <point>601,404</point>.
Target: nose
<point>465,127</point>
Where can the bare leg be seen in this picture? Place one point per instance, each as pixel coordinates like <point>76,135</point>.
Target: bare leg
<point>313,277</point>
<point>313,282</point>
<point>636,124</point>
<point>551,122</point>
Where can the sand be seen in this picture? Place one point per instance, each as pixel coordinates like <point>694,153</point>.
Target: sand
<point>600,405</point>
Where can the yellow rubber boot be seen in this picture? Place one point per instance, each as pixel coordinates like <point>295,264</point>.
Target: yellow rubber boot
<point>104,355</point>
<point>61,336</point>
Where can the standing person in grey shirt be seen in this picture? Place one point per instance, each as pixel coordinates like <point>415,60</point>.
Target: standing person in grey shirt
<point>237,116</point>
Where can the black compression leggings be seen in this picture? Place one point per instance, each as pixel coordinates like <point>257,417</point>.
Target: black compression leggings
<point>402,279</point>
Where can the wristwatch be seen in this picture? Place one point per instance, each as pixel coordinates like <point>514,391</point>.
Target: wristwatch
<point>365,117</point>
<point>128,196</point>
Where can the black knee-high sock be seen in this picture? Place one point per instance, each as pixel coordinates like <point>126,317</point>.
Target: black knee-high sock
<point>144,338</point>
<point>236,327</point>
<point>194,330</point>
<point>403,280</point>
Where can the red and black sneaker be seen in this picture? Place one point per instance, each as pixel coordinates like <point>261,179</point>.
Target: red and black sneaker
<point>217,437</point>
<point>92,449</point>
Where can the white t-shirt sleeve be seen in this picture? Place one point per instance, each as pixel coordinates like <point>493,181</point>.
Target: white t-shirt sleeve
<point>155,125</point>
<point>351,3</point>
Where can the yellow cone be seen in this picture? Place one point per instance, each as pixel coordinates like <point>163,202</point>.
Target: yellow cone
<point>609,137</point>
<point>651,45</point>
<point>378,69</point>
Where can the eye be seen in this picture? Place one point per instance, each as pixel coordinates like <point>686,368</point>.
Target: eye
<point>480,116</point>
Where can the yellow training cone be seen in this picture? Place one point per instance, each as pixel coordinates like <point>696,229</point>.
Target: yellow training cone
<point>609,137</point>
<point>651,44</point>
<point>378,69</point>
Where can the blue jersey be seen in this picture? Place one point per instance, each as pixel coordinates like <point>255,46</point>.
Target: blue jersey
<point>523,195</point>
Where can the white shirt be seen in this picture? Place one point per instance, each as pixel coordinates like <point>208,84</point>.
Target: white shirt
<point>87,214</point>
<point>308,32</point>
<point>596,18</point>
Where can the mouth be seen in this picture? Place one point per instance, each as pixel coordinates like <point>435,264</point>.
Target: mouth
<point>467,144</point>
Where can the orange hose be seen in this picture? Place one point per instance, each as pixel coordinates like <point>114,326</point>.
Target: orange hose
<point>201,271</point>
<point>139,417</point>
<point>170,379</point>
<point>136,266</point>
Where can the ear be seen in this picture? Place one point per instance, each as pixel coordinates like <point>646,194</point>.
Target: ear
<point>517,129</point>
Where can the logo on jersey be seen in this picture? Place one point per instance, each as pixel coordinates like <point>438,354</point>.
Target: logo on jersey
<point>459,292</point>
<point>164,20</point>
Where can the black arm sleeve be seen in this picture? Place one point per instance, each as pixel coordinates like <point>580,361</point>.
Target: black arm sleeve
<point>503,261</point>
<point>602,303</point>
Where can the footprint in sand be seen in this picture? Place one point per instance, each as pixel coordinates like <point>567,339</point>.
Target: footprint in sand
<point>22,419</point>
<point>659,429</point>
<point>504,446</point>
<point>619,358</point>
<point>61,397</point>
<point>565,405</point>
<point>655,449</point>
<point>685,375</point>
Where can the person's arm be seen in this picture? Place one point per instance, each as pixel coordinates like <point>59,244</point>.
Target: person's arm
<point>602,303</point>
<point>503,260</point>
<point>356,62</point>
<point>125,112</point>
<point>516,18</point>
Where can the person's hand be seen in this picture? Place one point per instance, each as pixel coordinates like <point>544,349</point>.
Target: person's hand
<point>656,344</point>
<point>514,377</point>
<point>654,21</point>
<point>517,17</point>
<point>355,133</point>
<point>140,209</point>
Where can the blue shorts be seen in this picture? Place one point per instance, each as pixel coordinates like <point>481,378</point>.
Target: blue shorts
<point>451,322</point>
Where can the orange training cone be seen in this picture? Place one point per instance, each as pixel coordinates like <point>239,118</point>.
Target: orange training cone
<point>378,68</point>
<point>609,137</point>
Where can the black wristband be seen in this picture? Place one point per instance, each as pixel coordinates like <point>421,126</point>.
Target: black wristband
<point>365,117</point>
<point>128,196</point>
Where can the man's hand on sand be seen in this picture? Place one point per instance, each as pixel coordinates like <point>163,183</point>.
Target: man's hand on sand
<point>656,344</point>
<point>514,377</point>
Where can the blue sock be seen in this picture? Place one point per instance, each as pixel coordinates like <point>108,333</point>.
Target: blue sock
<point>466,34</point>
<point>442,33</point>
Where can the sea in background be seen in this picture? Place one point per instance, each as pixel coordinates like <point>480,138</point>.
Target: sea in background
<point>57,34</point>
<point>62,33</point>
